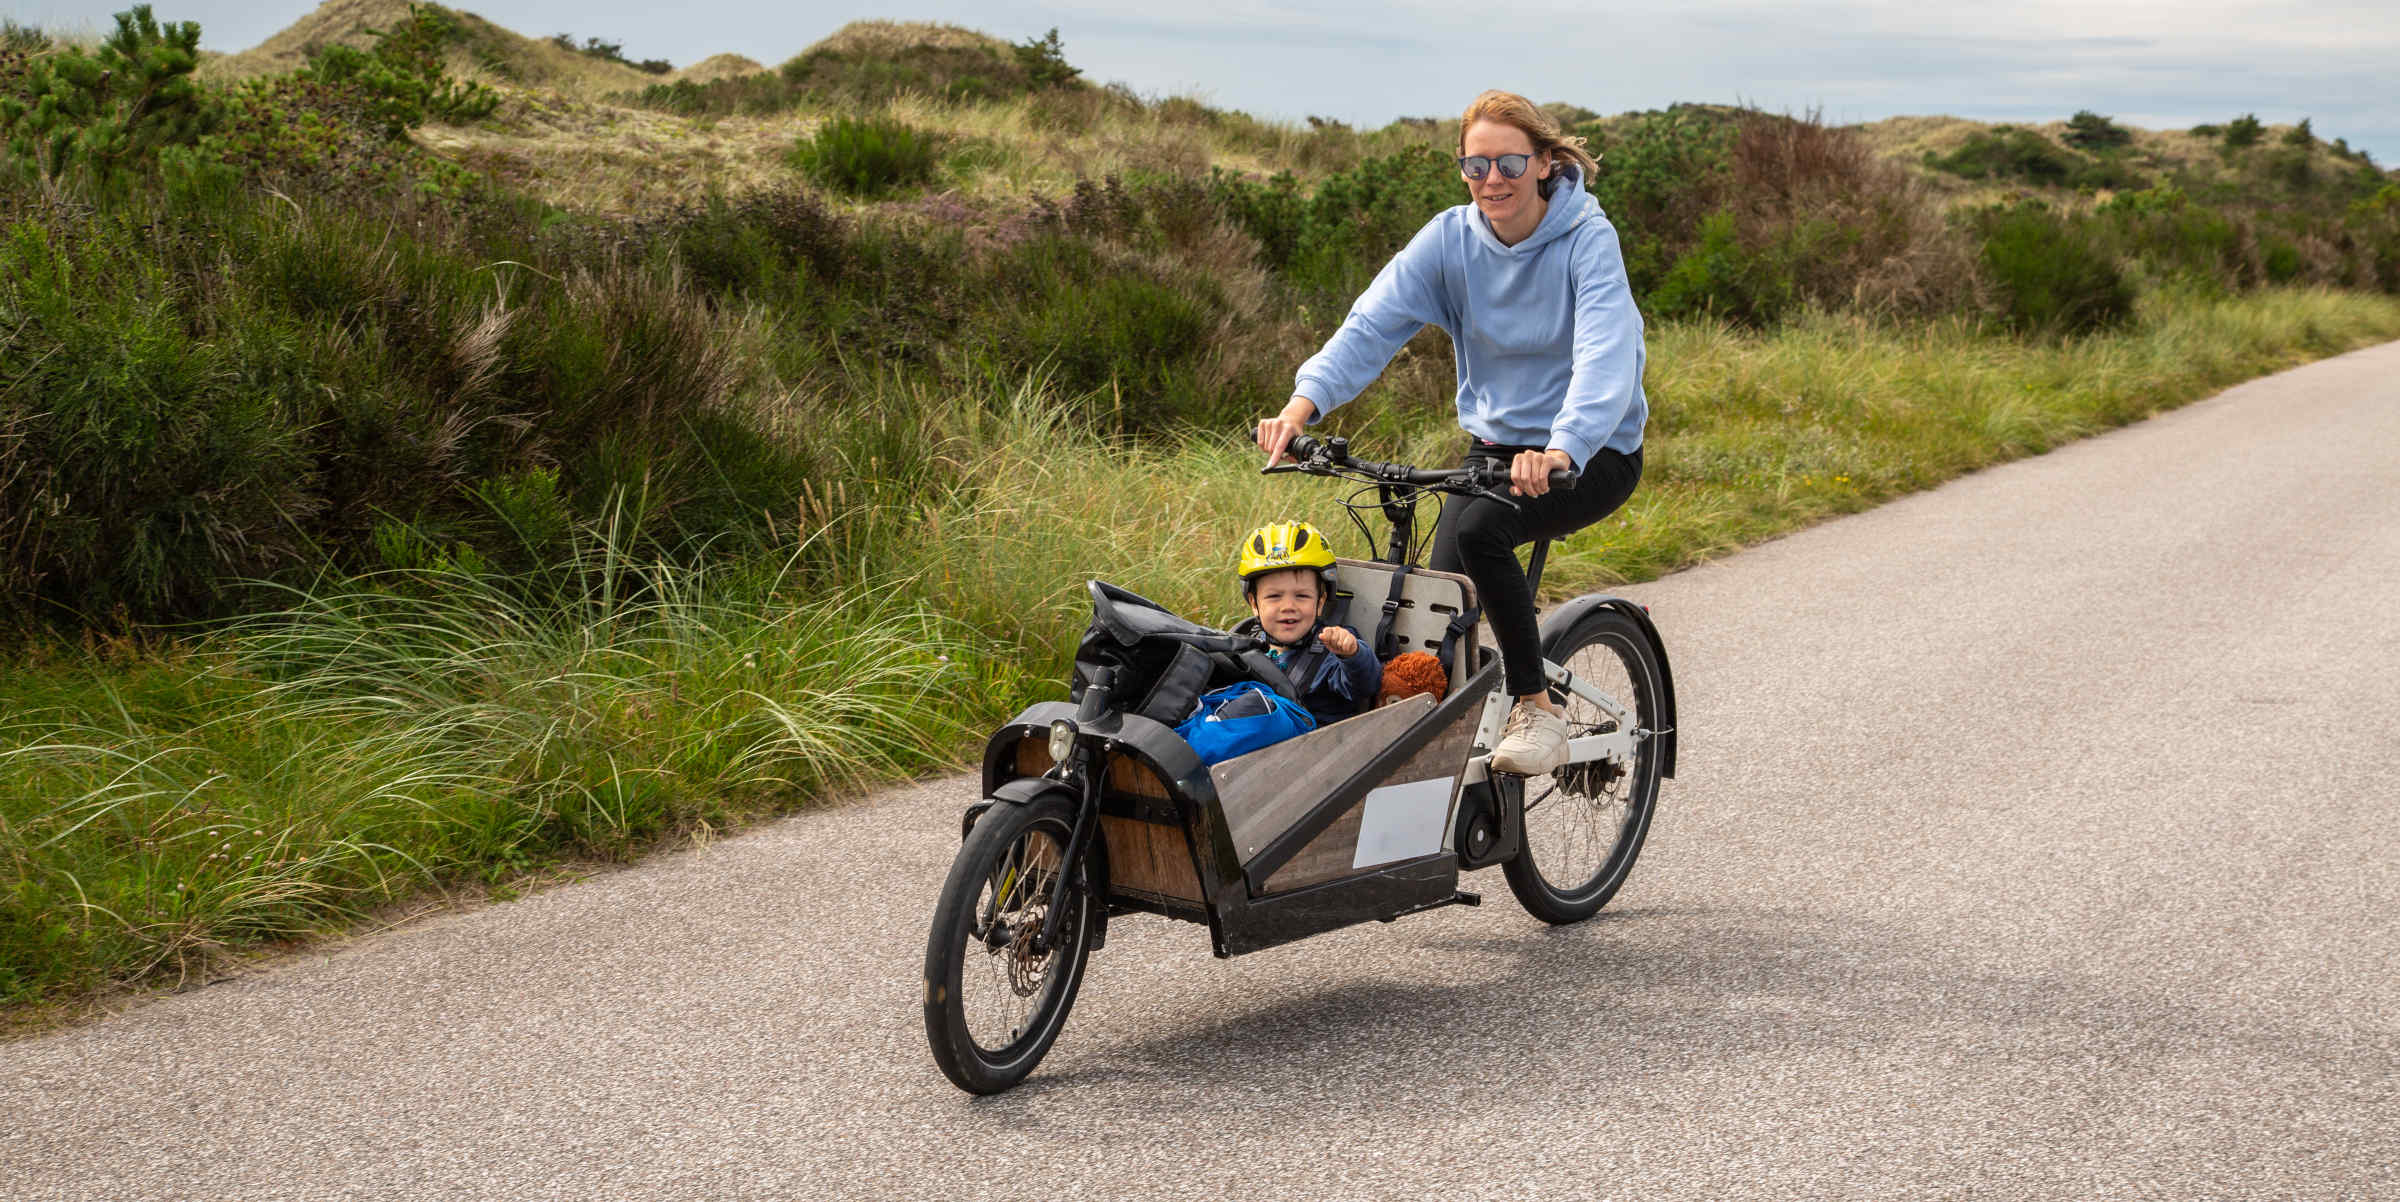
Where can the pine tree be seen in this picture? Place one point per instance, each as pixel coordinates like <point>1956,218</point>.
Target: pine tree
<point>112,109</point>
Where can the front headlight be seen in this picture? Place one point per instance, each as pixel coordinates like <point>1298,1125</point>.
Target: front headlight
<point>1062,740</point>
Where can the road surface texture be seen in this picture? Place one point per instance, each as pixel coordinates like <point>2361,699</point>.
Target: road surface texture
<point>2036,838</point>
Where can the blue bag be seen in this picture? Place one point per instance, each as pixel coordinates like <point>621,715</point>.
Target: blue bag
<point>1241,718</point>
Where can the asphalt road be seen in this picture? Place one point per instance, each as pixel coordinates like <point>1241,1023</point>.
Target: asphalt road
<point>2035,838</point>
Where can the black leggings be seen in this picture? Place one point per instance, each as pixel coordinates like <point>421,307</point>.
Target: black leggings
<point>1479,537</point>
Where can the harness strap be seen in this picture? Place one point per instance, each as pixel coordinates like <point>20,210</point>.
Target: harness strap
<point>1461,625</point>
<point>1387,643</point>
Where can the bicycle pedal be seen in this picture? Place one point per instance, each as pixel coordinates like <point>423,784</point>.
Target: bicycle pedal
<point>1465,898</point>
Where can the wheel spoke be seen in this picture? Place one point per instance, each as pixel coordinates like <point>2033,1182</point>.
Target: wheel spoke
<point>1584,824</point>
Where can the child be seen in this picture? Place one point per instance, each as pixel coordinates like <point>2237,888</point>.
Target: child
<point>1287,577</point>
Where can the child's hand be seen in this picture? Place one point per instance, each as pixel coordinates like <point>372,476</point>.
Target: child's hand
<point>1339,641</point>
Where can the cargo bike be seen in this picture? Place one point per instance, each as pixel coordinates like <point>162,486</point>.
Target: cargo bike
<point>1094,809</point>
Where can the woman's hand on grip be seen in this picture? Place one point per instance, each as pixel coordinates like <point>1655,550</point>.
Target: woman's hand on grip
<point>1529,472</point>
<point>1275,433</point>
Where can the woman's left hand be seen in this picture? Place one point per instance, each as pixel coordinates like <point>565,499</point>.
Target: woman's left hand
<point>1529,472</point>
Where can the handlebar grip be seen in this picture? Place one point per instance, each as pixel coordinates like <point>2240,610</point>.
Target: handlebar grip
<point>1300,447</point>
<point>1564,478</point>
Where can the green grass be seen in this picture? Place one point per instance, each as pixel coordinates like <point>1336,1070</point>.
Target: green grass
<point>414,731</point>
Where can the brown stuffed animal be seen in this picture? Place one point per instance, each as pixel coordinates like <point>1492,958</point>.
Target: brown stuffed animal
<point>1410,673</point>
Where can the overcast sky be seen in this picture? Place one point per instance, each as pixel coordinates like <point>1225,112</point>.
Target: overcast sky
<point>2155,64</point>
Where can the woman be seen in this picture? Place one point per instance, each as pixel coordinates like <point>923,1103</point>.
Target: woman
<point>1528,282</point>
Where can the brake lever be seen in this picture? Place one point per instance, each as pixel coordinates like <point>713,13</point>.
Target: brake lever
<point>1503,498</point>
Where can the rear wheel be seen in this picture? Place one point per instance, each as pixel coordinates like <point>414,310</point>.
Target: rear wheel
<point>995,993</point>
<point>1584,823</point>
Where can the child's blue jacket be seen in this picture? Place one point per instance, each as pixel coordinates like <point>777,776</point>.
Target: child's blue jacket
<point>1333,687</point>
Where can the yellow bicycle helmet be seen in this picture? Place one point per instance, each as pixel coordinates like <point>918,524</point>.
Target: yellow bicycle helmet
<point>1281,546</point>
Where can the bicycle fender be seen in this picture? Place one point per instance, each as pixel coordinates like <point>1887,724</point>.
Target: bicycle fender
<point>1025,790</point>
<point>1563,618</point>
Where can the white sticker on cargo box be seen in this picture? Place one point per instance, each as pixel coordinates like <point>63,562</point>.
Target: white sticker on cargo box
<point>1403,822</point>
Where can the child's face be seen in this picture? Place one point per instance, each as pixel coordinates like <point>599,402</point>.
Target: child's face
<point>1287,603</point>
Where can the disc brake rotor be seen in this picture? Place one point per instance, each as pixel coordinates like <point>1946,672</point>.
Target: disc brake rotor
<point>1025,966</point>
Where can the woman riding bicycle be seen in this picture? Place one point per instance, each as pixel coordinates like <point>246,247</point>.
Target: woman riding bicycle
<point>1529,283</point>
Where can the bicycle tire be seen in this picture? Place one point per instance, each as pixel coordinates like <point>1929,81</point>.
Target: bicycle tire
<point>1005,867</point>
<point>1595,807</point>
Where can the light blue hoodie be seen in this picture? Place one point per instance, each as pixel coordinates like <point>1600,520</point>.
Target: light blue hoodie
<point>1548,342</point>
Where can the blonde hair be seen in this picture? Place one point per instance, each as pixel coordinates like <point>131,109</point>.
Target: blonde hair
<point>1549,141</point>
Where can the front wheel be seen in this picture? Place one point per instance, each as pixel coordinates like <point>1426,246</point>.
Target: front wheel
<point>996,993</point>
<point>1585,822</point>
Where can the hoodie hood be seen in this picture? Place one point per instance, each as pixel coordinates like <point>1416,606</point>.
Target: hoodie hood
<point>1568,206</point>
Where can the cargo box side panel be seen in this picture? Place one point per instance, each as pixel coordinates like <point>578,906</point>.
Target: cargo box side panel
<point>1267,791</point>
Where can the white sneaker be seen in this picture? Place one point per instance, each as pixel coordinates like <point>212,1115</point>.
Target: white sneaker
<point>1533,742</point>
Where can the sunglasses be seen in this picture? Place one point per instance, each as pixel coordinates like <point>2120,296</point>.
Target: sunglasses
<point>1476,166</point>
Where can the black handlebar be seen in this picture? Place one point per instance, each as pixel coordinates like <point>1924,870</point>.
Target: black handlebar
<point>1324,457</point>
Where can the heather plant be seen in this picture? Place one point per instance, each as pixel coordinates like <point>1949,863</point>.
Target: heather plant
<point>1720,277</point>
<point>2091,131</point>
<point>868,157</point>
<point>2008,153</point>
<point>2049,273</point>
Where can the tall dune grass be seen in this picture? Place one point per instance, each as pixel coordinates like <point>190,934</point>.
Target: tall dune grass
<point>414,731</point>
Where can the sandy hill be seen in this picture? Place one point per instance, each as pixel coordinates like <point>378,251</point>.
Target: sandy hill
<point>1910,139</point>
<point>486,52</point>
<point>718,66</point>
<point>871,39</point>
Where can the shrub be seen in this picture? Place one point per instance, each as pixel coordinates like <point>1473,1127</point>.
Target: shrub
<point>2281,260</point>
<point>1045,61</point>
<point>1660,174</point>
<point>1721,278</point>
<point>400,80</point>
<point>1097,326</point>
<point>2050,274</point>
<point>111,109</point>
<point>610,52</point>
<point>2300,135</point>
<point>2243,131</point>
<point>760,94</point>
<point>1818,208</point>
<point>2091,131</point>
<point>142,460</point>
<point>868,157</point>
<point>2009,153</point>
<point>2290,167</point>
<point>1330,244</point>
